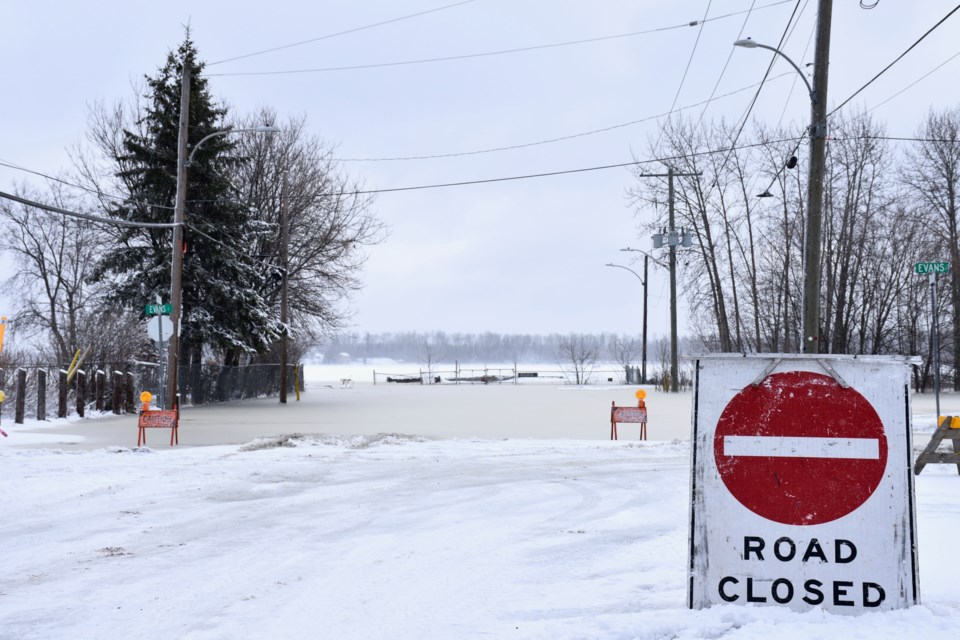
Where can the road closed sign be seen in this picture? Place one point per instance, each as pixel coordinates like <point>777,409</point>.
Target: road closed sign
<point>801,488</point>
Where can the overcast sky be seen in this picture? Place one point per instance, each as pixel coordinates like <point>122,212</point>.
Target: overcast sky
<point>522,256</point>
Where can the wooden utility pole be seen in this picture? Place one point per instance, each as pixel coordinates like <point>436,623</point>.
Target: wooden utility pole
<point>176,262</point>
<point>673,239</point>
<point>643,371</point>
<point>285,261</point>
<point>674,365</point>
<point>818,141</point>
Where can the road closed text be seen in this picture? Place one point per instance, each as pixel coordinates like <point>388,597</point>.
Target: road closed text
<point>784,590</point>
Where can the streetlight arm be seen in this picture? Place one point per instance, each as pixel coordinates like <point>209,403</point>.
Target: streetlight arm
<point>620,266</point>
<point>750,44</point>
<point>265,129</point>
<point>652,259</point>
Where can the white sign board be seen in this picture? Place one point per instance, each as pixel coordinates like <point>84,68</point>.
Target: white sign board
<point>159,328</point>
<point>802,490</point>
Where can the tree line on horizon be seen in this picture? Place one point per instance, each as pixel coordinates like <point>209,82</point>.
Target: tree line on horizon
<point>503,348</point>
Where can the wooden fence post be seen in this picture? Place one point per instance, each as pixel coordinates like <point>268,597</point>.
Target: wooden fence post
<point>41,394</point>
<point>128,393</point>
<point>21,395</point>
<point>81,392</point>
<point>117,383</point>
<point>62,395</point>
<point>100,384</point>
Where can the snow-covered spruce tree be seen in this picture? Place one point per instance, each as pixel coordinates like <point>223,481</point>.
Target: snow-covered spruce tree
<point>221,307</point>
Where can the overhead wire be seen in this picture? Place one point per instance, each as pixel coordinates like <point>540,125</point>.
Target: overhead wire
<point>915,82</point>
<point>537,175</point>
<point>557,139</point>
<point>874,78</point>
<point>483,54</point>
<point>86,216</point>
<point>786,104</point>
<point>96,192</point>
<point>726,64</point>
<point>746,115</point>
<point>686,70</point>
<point>341,33</point>
<point>727,150</point>
<point>895,61</point>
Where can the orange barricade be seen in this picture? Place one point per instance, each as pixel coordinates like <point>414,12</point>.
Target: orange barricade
<point>158,420</point>
<point>635,415</point>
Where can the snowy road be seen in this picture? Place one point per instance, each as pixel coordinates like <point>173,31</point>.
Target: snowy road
<point>507,515</point>
<point>391,537</point>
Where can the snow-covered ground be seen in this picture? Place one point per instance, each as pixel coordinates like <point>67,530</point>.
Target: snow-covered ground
<point>520,520</point>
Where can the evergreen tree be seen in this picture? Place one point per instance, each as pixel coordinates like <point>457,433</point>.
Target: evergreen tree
<point>221,307</point>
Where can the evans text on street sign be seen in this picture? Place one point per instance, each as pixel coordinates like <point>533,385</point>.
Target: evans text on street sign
<point>924,268</point>
<point>158,309</point>
<point>801,492</point>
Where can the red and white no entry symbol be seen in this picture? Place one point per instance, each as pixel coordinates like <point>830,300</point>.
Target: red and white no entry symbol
<point>800,449</point>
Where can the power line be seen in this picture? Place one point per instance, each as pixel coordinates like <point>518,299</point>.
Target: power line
<point>85,216</point>
<point>560,138</point>
<point>915,82</point>
<point>99,194</point>
<point>483,54</point>
<point>725,65</point>
<point>753,102</point>
<point>528,176</point>
<point>898,58</point>
<point>340,33</point>
<point>786,102</point>
<point>686,70</point>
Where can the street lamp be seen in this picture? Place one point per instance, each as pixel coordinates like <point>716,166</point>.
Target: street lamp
<point>176,262</point>
<point>269,128</point>
<point>747,43</point>
<point>818,134</point>
<point>643,281</point>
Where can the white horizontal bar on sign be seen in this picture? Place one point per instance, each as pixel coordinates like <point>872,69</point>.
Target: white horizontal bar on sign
<point>801,447</point>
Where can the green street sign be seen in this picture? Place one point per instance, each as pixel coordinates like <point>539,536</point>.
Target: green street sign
<point>159,309</point>
<point>924,268</point>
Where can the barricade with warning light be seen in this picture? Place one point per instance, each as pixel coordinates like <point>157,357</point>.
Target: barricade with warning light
<point>633,415</point>
<point>156,419</point>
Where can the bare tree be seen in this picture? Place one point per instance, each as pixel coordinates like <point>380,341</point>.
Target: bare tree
<point>430,357</point>
<point>54,256</point>
<point>932,173</point>
<point>330,224</point>
<point>581,352</point>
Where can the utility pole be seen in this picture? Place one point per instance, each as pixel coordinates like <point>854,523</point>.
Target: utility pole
<point>643,371</point>
<point>673,239</point>
<point>284,260</point>
<point>818,135</point>
<point>176,262</point>
<point>674,366</point>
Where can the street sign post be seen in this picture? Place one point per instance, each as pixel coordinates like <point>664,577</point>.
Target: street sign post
<point>932,270</point>
<point>160,328</point>
<point>801,488</point>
